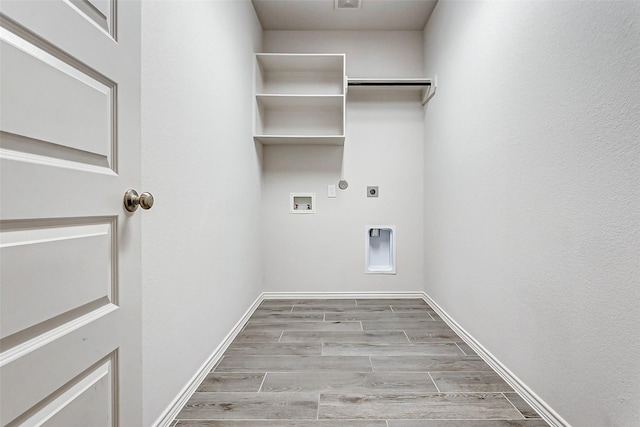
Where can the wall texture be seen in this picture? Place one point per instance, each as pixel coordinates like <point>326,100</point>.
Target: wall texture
<point>201,261</point>
<point>384,147</point>
<point>532,208</point>
<point>369,53</point>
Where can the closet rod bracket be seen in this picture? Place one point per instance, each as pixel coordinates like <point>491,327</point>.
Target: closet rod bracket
<point>430,91</point>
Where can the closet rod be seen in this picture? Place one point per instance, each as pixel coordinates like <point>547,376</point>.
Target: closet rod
<point>389,82</point>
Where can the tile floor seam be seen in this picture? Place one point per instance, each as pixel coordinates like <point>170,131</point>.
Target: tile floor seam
<point>512,404</point>
<point>434,382</point>
<point>463,352</point>
<point>262,383</point>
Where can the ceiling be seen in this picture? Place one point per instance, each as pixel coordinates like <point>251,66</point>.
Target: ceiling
<point>318,15</point>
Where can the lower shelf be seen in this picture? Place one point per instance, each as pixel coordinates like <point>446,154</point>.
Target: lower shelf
<point>300,139</point>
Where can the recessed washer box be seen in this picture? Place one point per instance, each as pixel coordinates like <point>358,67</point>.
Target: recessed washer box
<point>302,203</point>
<point>380,249</point>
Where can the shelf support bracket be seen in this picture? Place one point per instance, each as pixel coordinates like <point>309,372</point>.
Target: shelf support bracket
<point>430,91</point>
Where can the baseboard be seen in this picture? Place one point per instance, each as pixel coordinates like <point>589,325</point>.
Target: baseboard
<point>539,405</point>
<point>185,394</point>
<point>342,295</point>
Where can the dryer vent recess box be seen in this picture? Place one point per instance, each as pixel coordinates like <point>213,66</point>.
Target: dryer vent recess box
<point>302,203</point>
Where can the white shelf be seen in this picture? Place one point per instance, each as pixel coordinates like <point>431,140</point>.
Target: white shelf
<point>314,102</point>
<point>300,139</point>
<point>300,74</point>
<point>305,62</point>
<point>300,98</point>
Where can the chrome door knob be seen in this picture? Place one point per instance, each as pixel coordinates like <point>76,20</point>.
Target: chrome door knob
<point>132,200</point>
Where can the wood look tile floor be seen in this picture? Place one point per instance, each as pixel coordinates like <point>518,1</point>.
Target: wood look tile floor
<point>352,362</point>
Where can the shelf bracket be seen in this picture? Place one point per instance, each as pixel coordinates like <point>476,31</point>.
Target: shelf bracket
<point>430,91</point>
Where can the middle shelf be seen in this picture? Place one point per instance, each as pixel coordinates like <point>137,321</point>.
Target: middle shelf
<point>303,119</point>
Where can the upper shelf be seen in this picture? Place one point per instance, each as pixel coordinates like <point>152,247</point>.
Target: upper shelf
<point>310,74</point>
<point>302,62</point>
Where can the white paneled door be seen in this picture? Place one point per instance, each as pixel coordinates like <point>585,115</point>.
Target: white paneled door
<point>70,344</point>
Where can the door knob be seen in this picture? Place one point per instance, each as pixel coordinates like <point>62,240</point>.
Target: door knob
<point>132,200</point>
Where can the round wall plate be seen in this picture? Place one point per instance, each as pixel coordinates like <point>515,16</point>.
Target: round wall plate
<point>343,184</point>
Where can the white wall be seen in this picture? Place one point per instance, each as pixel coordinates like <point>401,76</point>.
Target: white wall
<point>201,253</point>
<point>369,53</point>
<point>532,222</point>
<point>384,147</point>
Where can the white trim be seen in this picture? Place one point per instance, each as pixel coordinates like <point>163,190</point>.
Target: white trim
<point>165,419</point>
<point>343,295</point>
<point>539,405</point>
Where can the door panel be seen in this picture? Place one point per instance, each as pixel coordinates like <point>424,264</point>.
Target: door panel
<point>75,265</point>
<point>34,82</point>
<point>100,12</point>
<point>44,374</point>
<point>88,397</point>
<point>69,149</point>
